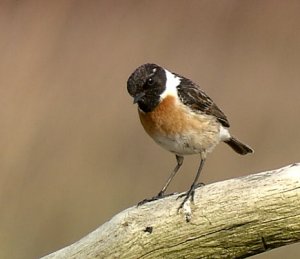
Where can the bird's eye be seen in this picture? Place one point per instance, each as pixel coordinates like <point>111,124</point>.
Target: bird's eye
<point>150,81</point>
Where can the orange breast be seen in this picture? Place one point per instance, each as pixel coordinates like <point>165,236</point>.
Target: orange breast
<point>172,125</point>
<point>163,120</point>
<point>169,118</point>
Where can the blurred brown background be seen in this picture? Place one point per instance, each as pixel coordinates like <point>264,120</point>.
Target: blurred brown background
<point>73,153</point>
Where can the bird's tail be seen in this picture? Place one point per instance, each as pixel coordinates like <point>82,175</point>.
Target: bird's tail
<point>238,146</point>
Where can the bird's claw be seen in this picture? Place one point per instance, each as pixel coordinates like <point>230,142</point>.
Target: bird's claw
<point>189,194</point>
<point>159,196</point>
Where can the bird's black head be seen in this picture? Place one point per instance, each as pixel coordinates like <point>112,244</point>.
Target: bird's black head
<point>146,84</point>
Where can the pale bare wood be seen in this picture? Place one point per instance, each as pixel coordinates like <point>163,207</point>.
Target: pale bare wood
<point>231,219</point>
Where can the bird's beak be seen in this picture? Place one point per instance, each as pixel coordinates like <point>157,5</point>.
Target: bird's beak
<point>138,97</point>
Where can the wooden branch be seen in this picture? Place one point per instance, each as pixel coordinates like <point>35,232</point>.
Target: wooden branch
<point>236,218</point>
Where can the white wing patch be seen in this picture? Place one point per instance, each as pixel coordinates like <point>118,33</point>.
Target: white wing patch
<point>224,133</point>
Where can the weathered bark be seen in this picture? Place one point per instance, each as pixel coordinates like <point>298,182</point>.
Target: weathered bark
<point>235,218</point>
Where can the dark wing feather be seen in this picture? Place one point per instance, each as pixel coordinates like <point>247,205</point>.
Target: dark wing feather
<point>191,95</point>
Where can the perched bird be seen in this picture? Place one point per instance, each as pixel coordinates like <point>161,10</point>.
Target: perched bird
<point>180,117</point>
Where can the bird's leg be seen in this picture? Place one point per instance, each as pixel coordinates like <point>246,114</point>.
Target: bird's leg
<point>161,194</point>
<point>179,164</point>
<point>190,193</point>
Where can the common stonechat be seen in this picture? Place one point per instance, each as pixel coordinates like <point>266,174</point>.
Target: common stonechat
<point>180,117</point>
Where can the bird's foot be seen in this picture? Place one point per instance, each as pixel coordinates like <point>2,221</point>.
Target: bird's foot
<point>159,196</point>
<point>189,194</point>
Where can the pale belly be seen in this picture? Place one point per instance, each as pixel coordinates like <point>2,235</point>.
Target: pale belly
<point>188,144</point>
<point>181,132</point>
